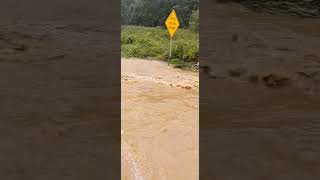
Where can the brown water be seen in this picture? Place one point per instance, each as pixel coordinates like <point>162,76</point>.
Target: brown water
<point>261,44</point>
<point>160,116</point>
<point>53,107</point>
<point>247,129</point>
<point>60,90</point>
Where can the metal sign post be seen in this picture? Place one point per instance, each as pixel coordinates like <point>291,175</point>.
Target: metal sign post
<point>170,51</point>
<point>172,24</point>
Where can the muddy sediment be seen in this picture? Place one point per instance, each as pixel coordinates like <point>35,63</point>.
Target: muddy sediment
<point>160,119</point>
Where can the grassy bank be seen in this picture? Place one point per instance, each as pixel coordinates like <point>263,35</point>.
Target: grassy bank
<point>153,43</point>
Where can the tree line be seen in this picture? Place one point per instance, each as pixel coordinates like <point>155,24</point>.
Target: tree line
<point>153,13</point>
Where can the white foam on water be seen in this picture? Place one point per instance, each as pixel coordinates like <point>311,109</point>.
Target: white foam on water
<point>128,160</point>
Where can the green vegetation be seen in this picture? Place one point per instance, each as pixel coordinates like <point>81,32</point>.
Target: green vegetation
<point>153,42</point>
<point>194,20</point>
<point>143,34</point>
<point>153,13</point>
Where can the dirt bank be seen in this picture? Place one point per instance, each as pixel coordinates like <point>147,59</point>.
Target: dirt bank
<point>159,121</point>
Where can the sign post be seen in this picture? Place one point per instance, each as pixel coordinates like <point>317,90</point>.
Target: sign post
<point>172,24</point>
<point>170,48</point>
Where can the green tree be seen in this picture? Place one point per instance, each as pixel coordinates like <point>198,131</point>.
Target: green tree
<point>154,12</point>
<point>194,21</point>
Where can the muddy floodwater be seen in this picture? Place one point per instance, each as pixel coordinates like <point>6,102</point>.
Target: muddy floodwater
<point>160,117</point>
<point>259,95</point>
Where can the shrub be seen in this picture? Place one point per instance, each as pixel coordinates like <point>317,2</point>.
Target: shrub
<point>186,51</point>
<point>147,42</point>
<point>194,21</point>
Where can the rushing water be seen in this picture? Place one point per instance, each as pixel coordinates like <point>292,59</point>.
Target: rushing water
<point>249,130</point>
<point>159,121</point>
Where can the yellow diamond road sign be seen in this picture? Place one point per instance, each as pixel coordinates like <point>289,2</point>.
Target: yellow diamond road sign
<point>172,23</point>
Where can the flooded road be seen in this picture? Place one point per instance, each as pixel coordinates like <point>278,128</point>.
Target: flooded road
<point>160,116</point>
